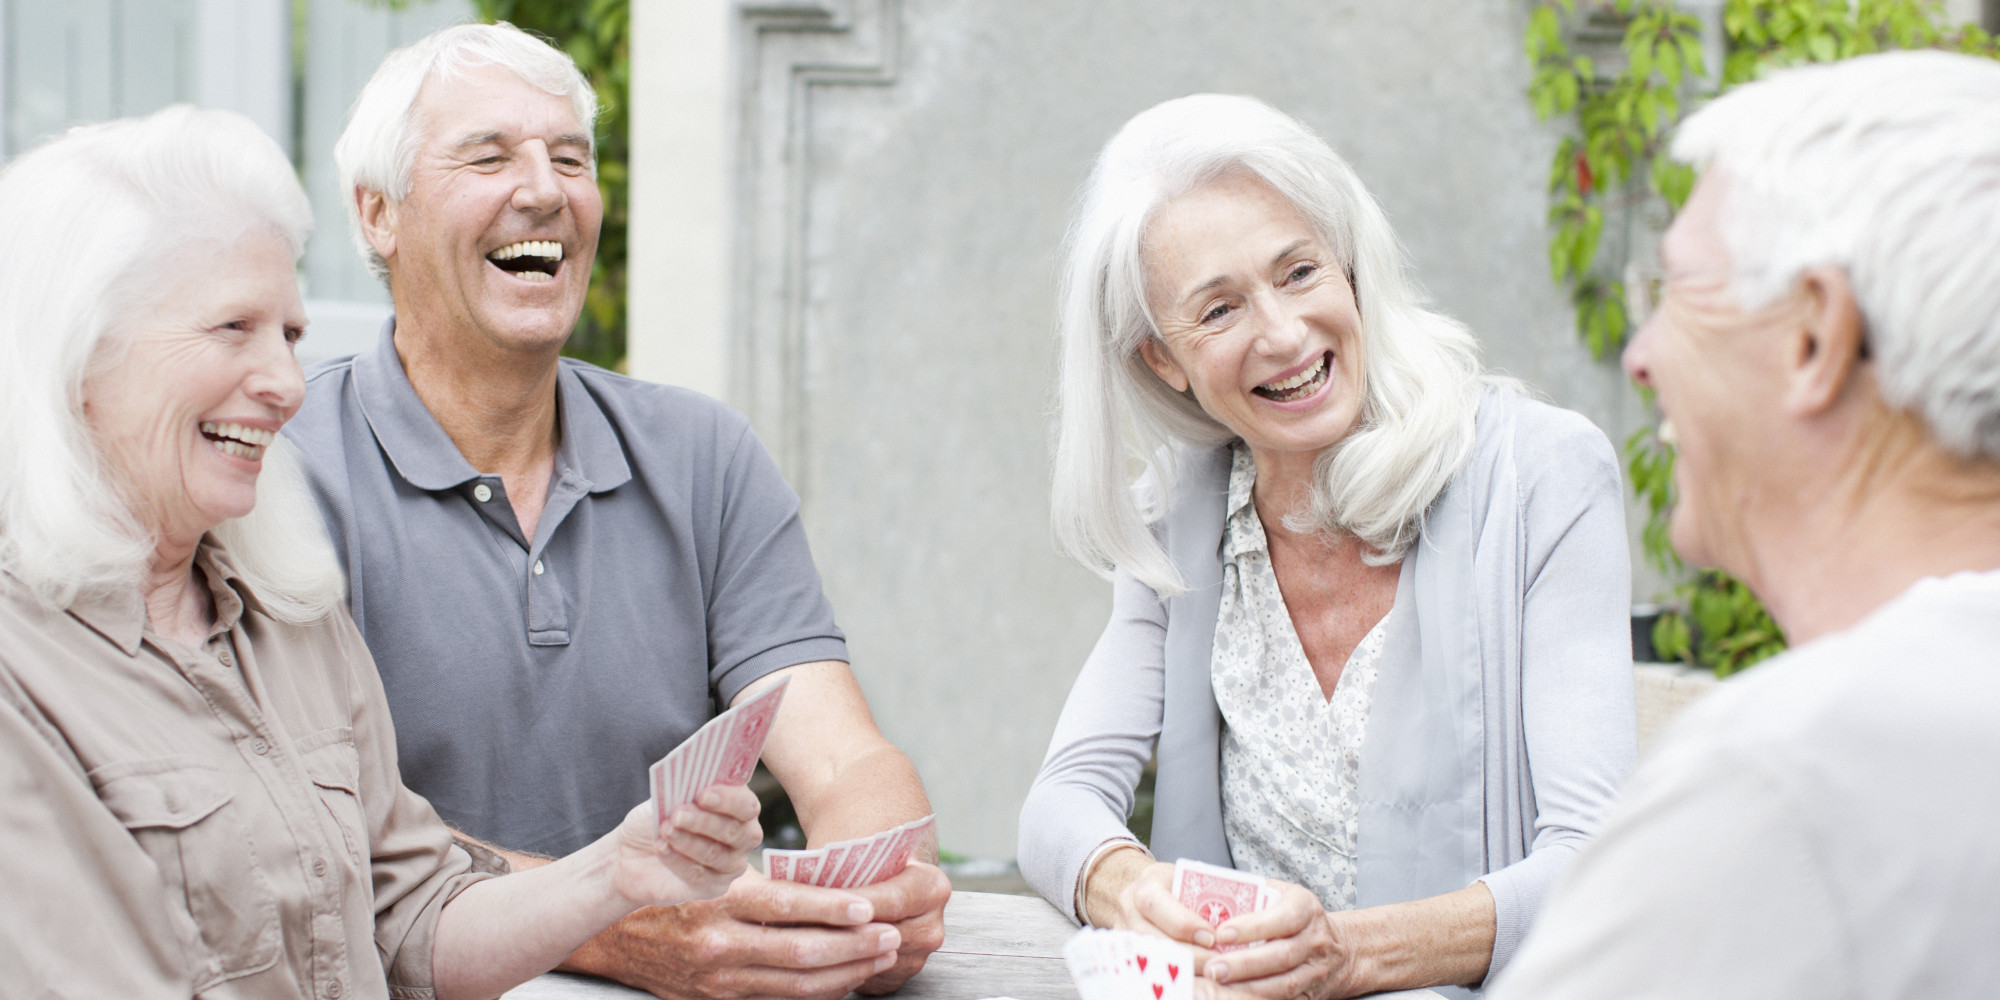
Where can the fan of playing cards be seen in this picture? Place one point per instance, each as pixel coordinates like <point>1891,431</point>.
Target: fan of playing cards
<point>1127,965</point>
<point>723,752</point>
<point>850,863</point>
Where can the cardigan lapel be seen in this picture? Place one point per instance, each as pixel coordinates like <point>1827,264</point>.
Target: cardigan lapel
<point>1187,797</point>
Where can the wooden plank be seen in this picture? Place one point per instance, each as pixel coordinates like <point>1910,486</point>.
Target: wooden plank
<point>987,923</point>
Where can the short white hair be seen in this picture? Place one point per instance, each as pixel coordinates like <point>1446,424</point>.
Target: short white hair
<point>1888,167</point>
<point>1420,374</point>
<point>95,221</point>
<point>378,148</point>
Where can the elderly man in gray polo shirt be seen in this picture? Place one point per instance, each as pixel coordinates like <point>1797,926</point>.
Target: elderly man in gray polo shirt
<point>556,567</point>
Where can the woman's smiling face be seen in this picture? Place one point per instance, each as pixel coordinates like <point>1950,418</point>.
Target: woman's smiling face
<point>202,378</point>
<point>1255,316</point>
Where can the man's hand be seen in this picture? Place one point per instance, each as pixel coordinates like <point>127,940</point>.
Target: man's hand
<point>760,939</point>
<point>914,902</point>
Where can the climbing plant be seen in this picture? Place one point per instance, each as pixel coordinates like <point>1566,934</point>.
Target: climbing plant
<point>1621,107</point>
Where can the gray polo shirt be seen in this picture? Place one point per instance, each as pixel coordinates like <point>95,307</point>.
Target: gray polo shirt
<point>532,681</point>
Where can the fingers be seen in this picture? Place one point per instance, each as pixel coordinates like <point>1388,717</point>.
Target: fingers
<point>1152,901</point>
<point>1258,961</point>
<point>916,890</point>
<point>766,901</point>
<point>1294,911</point>
<point>717,831</point>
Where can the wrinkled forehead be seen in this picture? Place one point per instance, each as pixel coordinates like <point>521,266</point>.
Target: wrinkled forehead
<point>458,105</point>
<point>1695,241</point>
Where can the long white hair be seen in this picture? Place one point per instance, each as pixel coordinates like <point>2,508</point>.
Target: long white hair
<point>1888,167</point>
<point>378,148</point>
<point>94,220</point>
<point>1421,375</point>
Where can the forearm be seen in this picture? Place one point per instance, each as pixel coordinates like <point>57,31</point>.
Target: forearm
<point>829,809</point>
<point>502,932</point>
<point>1440,941</point>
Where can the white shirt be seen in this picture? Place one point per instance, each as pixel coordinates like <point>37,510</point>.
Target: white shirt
<point>1826,826</point>
<point>1291,756</point>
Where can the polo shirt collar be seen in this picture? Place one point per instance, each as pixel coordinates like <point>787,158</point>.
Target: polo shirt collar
<point>424,454</point>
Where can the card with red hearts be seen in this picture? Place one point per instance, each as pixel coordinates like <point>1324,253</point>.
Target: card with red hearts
<point>1124,965</point>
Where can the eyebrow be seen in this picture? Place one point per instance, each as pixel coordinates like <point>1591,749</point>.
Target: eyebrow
<point>1217,281</point>
<point>486,138</point>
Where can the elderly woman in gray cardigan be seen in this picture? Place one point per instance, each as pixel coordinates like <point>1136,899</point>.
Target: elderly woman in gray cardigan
<point>1369,605</point>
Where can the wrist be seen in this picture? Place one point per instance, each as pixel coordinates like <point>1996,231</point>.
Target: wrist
<point>1105,875</point>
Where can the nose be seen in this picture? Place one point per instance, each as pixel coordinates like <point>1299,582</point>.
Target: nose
<point>1636,357</point>
<point>1281,328</point>
<point>275,379</point>
<point>539,190</point>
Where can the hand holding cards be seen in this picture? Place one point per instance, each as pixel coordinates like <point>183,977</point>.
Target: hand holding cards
<point>723,752</point>
<point>1217,894</point>
<point>1127,965</point>
<point>850,863</point>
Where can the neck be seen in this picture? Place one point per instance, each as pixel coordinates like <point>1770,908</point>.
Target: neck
<point>1284,486</point>
<point>176,605</point>
<point>497,406</point>
<point>1900,508</point>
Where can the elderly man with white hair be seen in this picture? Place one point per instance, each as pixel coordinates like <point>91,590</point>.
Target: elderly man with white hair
<point>557,568</point>
<point>1827,350</point>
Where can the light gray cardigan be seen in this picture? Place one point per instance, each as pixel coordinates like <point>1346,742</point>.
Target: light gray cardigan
<point>1502,721</point>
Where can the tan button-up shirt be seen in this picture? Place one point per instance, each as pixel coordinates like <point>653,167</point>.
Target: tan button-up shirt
<point>225,821</point>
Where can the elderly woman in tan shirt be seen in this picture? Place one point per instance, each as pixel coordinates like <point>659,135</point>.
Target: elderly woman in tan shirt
<point>198,783</point>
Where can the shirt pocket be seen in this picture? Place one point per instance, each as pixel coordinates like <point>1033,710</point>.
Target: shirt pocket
<point>181,814</point>
<point>333,764</point>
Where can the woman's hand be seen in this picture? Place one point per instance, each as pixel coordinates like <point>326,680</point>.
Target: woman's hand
<point>702,848</point>
<point>1129,889</point>
<point>1302,952</point>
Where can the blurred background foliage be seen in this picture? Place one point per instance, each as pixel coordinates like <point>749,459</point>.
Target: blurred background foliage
<point>1620,107</point>
<point>597,34</point>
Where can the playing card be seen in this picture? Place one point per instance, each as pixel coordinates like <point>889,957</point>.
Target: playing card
<point>717,752</point>
<point>1217,894</point>
<point>1123,965</point>
<point>849,863</point>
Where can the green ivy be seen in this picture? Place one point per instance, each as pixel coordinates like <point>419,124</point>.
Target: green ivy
<point>1613,158</point>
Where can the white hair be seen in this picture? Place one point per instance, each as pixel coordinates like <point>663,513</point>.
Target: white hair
<point>1888,167</point>
<point>1420,370</point>
<point>95,221</point>
<point>378,148</point>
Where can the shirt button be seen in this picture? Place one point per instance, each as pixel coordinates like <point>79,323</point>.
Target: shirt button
<point>538,567</point>
<point>259,747</point>
<point>227,660</point>
<point>333,990</point>
<point>319,867</point>
<point>481,493</point>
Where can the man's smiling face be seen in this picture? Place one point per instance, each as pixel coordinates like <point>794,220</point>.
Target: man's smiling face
<point>495,237</point>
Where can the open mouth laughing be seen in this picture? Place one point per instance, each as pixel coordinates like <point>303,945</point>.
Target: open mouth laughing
<point>1298,386</point>
<point>236,439</point>
<point>530,260</point>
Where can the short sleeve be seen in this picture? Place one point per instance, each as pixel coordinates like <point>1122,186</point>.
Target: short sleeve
<point>766,609</point>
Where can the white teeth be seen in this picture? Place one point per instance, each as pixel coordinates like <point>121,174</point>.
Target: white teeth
<point>528,248</point>
<point>239,433</point>
<point>1300,379</point>
<point>1666,434</point>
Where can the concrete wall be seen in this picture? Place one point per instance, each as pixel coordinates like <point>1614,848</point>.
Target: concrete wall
<point>901,173</point>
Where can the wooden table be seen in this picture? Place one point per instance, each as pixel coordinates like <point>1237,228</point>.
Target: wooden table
<point>994,945</point>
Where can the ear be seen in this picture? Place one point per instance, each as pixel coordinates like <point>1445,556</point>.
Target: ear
<point>1827,348</point>
<point>1163,364</point>
<point>378,217</point>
